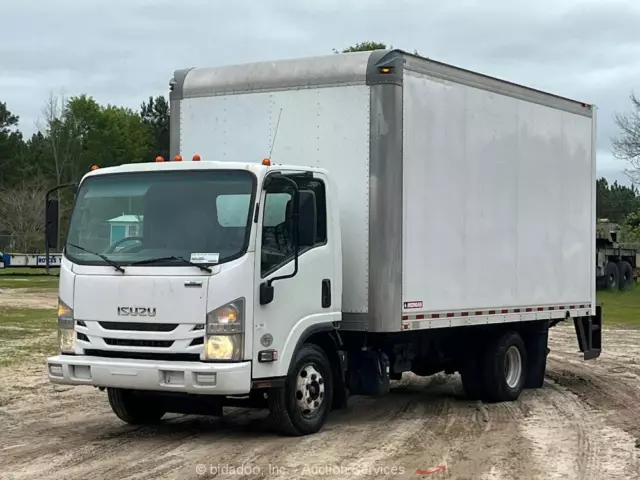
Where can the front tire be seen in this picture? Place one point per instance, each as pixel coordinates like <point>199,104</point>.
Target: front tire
<point>302,406</point>
<point>133,408</point>
<point>504,368</point>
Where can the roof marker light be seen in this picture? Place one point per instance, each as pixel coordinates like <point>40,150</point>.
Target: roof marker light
<point>266,162</point>
<point>159,158</point>
<point>94,167</point>
<point>196,158</point>
<point>177,158</point>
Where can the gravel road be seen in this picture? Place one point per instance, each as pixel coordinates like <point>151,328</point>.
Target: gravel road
<point>584,424</point>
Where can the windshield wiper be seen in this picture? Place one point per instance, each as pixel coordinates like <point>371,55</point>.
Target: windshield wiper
<point>173,257</point>
<point>103,257</point>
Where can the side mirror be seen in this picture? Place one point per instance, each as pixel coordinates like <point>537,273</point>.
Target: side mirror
<point>266,293</point>
<point>51,222</point>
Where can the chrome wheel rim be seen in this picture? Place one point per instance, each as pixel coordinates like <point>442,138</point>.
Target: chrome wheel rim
<point>513,367</point>
<point>309,390</point>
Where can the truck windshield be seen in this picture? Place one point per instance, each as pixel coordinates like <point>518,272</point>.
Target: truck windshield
<point>201,216</point>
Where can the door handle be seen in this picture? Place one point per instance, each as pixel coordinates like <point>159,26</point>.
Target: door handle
<point>326,293</point>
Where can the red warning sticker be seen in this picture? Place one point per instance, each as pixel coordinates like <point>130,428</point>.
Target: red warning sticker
<point>408,305</point>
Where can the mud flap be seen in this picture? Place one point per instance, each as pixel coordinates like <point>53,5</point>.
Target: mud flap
<point>368,373</point>
<point>536,340</point>
<point>589,333</point>
<point>340,390</point>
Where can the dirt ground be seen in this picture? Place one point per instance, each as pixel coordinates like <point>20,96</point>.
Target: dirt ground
<point>584,424</point>
<point>28,298</point>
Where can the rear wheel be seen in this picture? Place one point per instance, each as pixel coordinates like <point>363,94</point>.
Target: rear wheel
<point>302,406</point>
<point>625,271</point>
<point>612,276</point>
<point>504,368</point>
<point>133,407</point>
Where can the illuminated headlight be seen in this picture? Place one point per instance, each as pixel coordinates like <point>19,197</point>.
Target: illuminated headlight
<point>224,339</point>
<point>66,331</point>
<point>224,347</point>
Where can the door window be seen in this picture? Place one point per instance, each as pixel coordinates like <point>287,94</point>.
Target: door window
<point>277,228</point>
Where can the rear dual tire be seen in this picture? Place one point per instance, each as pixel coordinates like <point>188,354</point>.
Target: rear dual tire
<point>504,368</point>
<point>497,372</point>
<point>618,276</point>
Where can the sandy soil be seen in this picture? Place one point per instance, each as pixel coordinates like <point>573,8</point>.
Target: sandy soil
<point>584,424</point>
<point>28,298</point>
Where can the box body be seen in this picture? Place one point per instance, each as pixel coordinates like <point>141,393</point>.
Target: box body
<point>463,198</point>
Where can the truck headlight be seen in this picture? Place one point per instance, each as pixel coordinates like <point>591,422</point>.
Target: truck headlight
<point>224,339</point>
<point>66,330</point>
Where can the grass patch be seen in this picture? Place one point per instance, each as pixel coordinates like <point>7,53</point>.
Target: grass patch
<point>28,278</point>
<point>35,319</point>
<point>620,308</point>
<point>29,281</point>
<point>27,271</point>
<point>26,333</point>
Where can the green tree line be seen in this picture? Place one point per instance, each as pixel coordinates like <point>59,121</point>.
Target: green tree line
<point>77,132</point>
<point>72,135</point>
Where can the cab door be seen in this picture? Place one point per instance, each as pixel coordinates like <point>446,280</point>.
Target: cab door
<point>306,300</point>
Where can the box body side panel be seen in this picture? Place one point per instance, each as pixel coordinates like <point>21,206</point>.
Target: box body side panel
<point>497,200</point>
<point>319,127</point>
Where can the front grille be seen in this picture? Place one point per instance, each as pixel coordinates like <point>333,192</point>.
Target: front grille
<point>82,336</point>
<point>197,341</point>
<point>139,327</point>
<point>120,342</point>
<point>171,357</point>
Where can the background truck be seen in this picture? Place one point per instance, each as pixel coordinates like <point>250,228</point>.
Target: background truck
<point>411,216</point>
<point>616,262</point>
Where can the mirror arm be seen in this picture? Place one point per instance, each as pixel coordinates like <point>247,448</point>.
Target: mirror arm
<point>266,288</point>
<point>296,203</point>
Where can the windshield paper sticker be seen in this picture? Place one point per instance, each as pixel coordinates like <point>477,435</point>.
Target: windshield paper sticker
<point>205,257</point>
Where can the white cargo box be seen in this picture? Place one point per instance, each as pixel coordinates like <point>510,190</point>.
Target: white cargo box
<point>464,199</point>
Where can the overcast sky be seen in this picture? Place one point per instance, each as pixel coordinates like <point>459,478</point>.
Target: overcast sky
<point>122,51</point>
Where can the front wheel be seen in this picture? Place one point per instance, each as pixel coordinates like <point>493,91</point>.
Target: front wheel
<point>302,406</point>
<point>134,408</point>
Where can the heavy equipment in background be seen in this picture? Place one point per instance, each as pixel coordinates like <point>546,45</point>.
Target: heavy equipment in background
<point>616,262</point>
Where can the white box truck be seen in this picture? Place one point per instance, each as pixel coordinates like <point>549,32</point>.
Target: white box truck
<point>408,216</point>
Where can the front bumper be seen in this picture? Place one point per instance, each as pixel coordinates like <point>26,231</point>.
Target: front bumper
<point>187,377</point>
